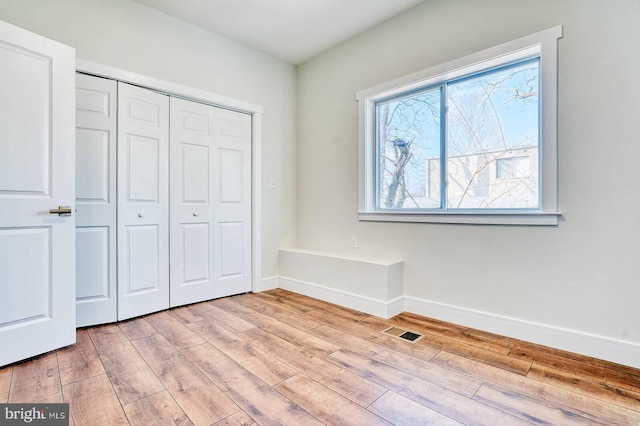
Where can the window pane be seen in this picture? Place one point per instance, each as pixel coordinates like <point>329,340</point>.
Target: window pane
<point>408,135</point>
<point>492,139</point>
<point>513,168</point>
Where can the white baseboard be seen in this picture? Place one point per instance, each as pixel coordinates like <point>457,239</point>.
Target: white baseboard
<point>364,304</point>
<point>601,347</point>
<point>618,351</point>
<point>266,284</point>
<point>395,307</point>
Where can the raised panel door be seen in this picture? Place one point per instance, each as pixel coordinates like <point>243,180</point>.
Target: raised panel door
<point>143,201</point>
<point>37,249</point>
<point>232,203</point>
<point>96,298</point>
<point>192,148</point>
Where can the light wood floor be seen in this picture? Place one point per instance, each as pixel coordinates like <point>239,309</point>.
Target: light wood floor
<point>281,358</point>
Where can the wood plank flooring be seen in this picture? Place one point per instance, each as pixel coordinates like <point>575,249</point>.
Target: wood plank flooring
<point>279,358</point>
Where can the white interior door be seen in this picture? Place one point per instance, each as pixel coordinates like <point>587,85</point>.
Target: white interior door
<point>37,249</point>
<point>191,211</point>
<point>143,201</point>
<point>232,203</point>
<point>96,297</point>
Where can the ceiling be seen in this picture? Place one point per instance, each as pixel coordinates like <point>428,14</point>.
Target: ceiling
<point>292,30</point>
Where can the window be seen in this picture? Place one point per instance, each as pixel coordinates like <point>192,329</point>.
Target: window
<point>471,141</point>
<point>515,168</point>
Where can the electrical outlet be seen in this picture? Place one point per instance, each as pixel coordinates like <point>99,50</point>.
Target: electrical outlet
<point>354,241</point>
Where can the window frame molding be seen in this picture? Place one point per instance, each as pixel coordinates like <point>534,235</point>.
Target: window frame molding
<point>543,44</point>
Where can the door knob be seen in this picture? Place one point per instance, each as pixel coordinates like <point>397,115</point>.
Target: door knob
<point>195,214</point>
<point>140,214</point>
<point>61,211</point>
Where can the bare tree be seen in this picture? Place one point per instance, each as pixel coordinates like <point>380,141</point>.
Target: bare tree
<point>402,122</point>
<point>397,189</point>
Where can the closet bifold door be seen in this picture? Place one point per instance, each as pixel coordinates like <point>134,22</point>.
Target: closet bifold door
<point>232,202</point>
<point>143,201</point>
<point>95,200</point>
<point>210,202</point>
<point>191,210</point>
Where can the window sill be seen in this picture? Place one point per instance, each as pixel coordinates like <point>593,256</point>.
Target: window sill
<point>476,218</point>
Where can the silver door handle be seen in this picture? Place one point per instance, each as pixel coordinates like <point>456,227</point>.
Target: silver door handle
<point>195,214</point>
<point>61,211</point>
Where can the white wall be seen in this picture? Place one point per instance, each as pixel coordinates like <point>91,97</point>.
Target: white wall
<point>582,275</point>
<point>133,37</point>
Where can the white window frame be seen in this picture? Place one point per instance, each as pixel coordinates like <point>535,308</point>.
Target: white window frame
<point>543,44</point>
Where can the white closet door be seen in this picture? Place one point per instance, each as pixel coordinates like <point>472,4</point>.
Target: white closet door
<point>96,295</point>
<point>191,202</point>
<point>37,247</point>
<point>143,201</point>
<point>232,203</point>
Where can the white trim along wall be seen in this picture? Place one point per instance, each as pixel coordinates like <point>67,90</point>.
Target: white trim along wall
<point>336,279</point>
<point>189,93</point>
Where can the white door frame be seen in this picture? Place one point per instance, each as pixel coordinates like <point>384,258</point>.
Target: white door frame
<point>202,96</point>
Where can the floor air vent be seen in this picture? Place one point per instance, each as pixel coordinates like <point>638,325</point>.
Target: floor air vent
<point>402,334</point>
